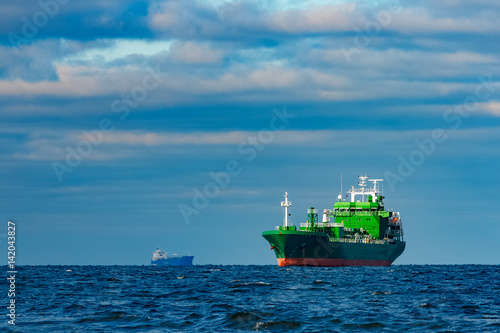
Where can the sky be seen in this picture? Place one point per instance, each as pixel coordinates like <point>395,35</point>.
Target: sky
<point>128,125</point>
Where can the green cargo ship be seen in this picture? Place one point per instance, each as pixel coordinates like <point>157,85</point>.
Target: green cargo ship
<point>358,232</point>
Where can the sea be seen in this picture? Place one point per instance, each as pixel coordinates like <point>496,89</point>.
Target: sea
<point>207,298</point>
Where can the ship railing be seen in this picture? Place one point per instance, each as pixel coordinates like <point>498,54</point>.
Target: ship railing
<point>360,240</point>
<point>289,228</point>
<point>358,213</point>
<point>322,225</point>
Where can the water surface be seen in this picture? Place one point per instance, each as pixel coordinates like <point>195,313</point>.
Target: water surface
<point>411,298</point>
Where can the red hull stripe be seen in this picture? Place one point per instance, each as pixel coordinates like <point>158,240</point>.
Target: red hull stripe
<point>330,262</point>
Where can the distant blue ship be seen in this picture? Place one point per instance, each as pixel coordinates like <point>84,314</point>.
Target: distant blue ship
<point>160,258</point>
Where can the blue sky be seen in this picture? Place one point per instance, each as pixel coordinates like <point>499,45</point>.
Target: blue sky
<point>114,116</point>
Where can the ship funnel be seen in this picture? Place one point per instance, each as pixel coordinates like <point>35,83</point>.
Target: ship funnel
<point>326,218</point>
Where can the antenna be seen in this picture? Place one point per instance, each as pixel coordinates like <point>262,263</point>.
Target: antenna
<point>375,185</point>
<point>363,179</point>
<point>341,190</point>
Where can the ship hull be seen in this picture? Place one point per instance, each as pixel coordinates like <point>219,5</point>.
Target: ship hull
<point>304,248</point>
<point>176,261</point>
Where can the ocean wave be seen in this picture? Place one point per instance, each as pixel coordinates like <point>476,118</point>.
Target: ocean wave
<point>257,298</point>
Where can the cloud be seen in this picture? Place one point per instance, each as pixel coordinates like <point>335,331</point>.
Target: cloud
<point>222,53</point>
<point>195,53</point>
<point>197,19</point>
<point>153,139</point>
<point>109,50</point>
<point>340,17</point>
<point>31,63</point>
<point>28,21</point>
<point>214,138</point>
<point>420,20</point>
<point>278,83</point>
<point>245,20</point>
<point>72,82</point>
<point>492,107</point>
<point>46,145</point>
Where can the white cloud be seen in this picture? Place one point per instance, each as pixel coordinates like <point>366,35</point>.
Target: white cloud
<point>407,64</point>
<point>218,66</point>
<point>112,49</point>
<point>167,15</point>
<point>211,138</point>
<point>421,20</point>
<point>491,108</point>
<point>195,53</point>
<point>154,139</point>
<point>298,17</point>
<point>325,18</point>
<point>54,146</point>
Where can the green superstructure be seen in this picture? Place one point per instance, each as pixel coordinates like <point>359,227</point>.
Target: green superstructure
<point>354,233</point>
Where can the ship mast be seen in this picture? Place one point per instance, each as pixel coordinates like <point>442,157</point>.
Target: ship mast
<point>361,190</point>
<point>286,204</point>
<point>374,191</point>
<point>362,183</point>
